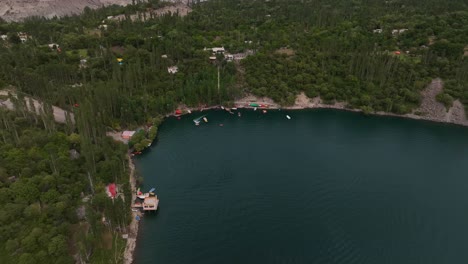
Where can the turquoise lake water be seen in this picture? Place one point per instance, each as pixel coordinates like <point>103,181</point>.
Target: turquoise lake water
<point>324,187</point>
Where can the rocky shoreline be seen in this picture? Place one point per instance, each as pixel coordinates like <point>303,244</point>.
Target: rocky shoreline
<point>133,228</point>
<point>429,110</point>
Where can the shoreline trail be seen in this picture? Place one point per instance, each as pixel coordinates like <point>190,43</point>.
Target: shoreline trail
<point>133,228</point>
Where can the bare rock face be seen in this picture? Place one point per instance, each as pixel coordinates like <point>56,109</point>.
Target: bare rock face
<point>15,10</point>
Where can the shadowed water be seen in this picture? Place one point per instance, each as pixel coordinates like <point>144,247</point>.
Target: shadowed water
<point>323,187</point>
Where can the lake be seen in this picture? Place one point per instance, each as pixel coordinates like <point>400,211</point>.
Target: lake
<point>324,187</point>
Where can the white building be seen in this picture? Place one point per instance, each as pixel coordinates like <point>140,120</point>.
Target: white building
<point>173,69</point>
<point>216,50</point>
<point>378,30</point>
<point>398,31</point>
<point>54,46</point>
<point>4,37</point>
<point>23,37</point>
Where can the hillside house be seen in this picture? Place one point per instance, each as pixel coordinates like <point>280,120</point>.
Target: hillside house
<point>23,37</point>
<point>83,63</point>
<point>173,69</point>
<point>216,50</point>
<point>127,134</point>
<point>398,31</point>
<point>229,57</point>
<point>54,46</point>
<point>377,30</point>
<point>4,37</point>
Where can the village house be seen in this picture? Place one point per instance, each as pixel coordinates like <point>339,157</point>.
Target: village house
<point>4,37</point>
<point>164,56</point>
<point>229,57</point>
<point>83,63</point>
<point>173,69</point>
<point>23,37</point>
<point>103,27</point>
<point>127,134</point>
<point>378,30</point>
<point>216,50</point>
<point>398,31</point>
<point>53,46</point>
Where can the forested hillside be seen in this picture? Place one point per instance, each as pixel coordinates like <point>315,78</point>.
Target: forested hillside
<point>374,55</point>
<point>115,71</point>
<point>52,197</point>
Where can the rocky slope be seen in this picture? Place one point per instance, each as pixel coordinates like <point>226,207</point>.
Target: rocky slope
<point>15,10</point>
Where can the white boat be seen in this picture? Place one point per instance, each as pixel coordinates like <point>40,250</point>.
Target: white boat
<point>238,114</point>
<point>222,107</point>
<point>255,108</point>
<point>234,108</point>
<point>205,119</point>
<point>288,117</point>
<point>189,111</point>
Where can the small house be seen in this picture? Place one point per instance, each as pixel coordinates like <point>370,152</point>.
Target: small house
<point>398,31</point>
<point>218,50</point>
<point>127,134</point>
<point>377,31</point>
<point>229,57</point>
<point>172,69</point>
<point>53,46</point>
<point>4,37</point>
<point>104,27</point>
<point>164,56</point>
<point>83,63</point>
<point>23,37</point>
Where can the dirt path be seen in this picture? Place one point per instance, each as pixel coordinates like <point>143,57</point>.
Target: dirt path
<point>59,113</point>
<point>133,228</point>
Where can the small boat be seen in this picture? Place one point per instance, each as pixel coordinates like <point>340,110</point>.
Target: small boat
<point>143,196</point>
<point>222,107</point>
<point>288,117</point>
<point>189,111</point>
<point>234,108</point>
<point>239,114</point>
<point>221,125</point>
<point>264,111</point>
<point>197,120</point>
<point>255,108</point>
<point>205,119</point>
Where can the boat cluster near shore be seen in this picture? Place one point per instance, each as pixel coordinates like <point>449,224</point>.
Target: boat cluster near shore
<point>197,121</point>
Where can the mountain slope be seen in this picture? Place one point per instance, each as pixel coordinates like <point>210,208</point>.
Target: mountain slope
<point>14,10</point>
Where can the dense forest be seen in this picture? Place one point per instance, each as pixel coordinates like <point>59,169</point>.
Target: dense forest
<point>52,198</point>
<point>111,70</point>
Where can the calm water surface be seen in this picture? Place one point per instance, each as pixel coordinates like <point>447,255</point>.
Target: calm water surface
<point>324,187</point>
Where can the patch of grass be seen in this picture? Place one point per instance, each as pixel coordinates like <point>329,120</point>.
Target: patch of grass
<point>110,250</point>
<point>81,52</point>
